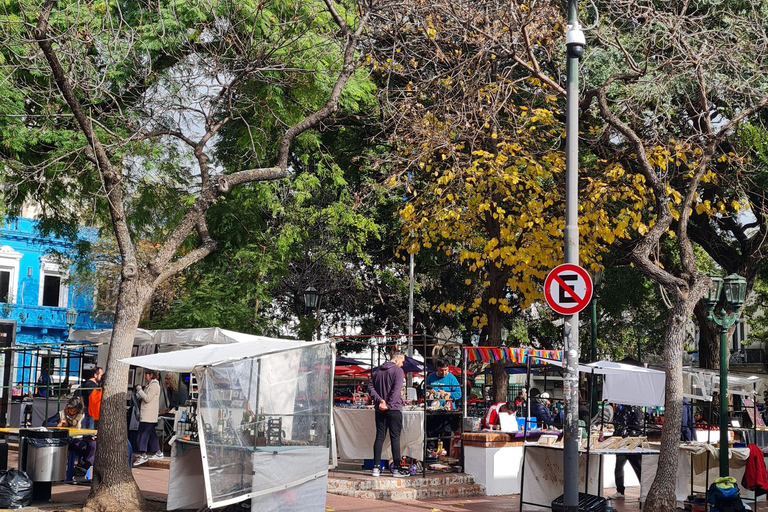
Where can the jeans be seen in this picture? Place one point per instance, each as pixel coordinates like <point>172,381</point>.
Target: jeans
<point>392,420</point>
<point>147,438</point>
<point>87,422</point>
<point>635,460</point>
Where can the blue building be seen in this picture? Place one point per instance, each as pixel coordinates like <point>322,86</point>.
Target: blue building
<point>36,302</point>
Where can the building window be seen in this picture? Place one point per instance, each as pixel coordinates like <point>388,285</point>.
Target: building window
<point>5,285</point>
<point>9,274</point>
<point>53,291</point>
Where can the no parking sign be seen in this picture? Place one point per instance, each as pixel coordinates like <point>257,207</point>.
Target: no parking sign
<point>568,289</point>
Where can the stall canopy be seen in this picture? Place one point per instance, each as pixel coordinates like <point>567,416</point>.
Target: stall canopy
<point>625,383</point>
<point>286,385</point>
<point>699,383</point>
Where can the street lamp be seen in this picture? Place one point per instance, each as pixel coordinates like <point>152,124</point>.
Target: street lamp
<point>71,318</point>
<point>735,288</point>
<point>310,298</point>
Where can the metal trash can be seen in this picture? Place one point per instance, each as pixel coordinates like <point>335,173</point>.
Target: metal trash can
<point>43,456</point>
<point>587,503</point>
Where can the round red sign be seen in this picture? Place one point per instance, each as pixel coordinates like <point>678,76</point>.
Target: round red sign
<point>568,289</point>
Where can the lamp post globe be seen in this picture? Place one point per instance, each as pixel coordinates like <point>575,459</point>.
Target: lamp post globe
<point>311,297</point>
<point>71,318</point>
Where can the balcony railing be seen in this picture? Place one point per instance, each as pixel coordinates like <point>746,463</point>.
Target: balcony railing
<point>45,317</point>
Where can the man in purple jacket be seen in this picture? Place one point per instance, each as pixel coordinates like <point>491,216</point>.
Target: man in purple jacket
<point>384,387</point>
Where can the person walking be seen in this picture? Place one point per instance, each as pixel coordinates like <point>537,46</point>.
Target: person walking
<point>384,388</point>
<point>150,402</point>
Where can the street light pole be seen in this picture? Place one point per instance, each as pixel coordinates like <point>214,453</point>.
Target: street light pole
<point>735,288</point>
<point>575,43</point>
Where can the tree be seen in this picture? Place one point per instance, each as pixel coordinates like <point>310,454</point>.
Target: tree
<point>480,152</point>
<point>678,136</point>
<point>116,108</point>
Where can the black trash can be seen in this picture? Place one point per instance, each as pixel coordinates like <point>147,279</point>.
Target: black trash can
<point>587,503</point>
<point>43,456</point>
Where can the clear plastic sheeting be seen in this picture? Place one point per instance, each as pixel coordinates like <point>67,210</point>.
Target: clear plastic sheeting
<point>700,384</point>
<point>264,428</point>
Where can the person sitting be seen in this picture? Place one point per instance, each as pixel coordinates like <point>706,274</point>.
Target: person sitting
<point>540,410</point>
<point>85,447</point>
<point>493,416</point>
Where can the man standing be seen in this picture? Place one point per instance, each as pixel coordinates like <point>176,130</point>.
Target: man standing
<point>94,381</point>
<point>385,387</point>
<point>628,422</point>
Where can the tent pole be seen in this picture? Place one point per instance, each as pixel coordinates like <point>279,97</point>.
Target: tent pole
<point>464,366</point>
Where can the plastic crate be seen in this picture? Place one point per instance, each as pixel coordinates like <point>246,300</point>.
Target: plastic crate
<point>587,503</point>
<point>368,464</point>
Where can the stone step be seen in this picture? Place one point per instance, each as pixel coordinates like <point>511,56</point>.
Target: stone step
<point>414,493</point>
<point>360,482</point>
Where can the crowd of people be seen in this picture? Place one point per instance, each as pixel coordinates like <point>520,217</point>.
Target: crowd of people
<point>83,406</point>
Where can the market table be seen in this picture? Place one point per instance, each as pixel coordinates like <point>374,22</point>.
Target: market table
<point>692,469</point>
<point>495,459</point>
<point>356,432</point>
<point>543,472</point>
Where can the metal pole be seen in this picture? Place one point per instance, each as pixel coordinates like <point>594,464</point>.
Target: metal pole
<point>409,380</point>
<point>575,42</point>
<point>593,347</point>
<point>723,401</point>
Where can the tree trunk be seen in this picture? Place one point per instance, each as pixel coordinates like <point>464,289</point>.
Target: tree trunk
<point>500,382</point>
<point>661,496</point>
<point>113,487</point>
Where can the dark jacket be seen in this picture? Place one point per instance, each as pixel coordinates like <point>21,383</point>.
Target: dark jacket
<point>386,384</point>
<point>686,432</point>
<point>541,413</point>
<point>628,420</point>
<point>85,391</point>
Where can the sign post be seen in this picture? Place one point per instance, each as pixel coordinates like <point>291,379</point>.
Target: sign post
<point>575,43</point>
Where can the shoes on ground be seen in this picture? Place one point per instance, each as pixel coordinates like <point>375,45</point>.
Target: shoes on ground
<point>158,455</point>
<point>617,496</point>
<point>141,459</point>
<point>400,472</point>
<point>376,472</point>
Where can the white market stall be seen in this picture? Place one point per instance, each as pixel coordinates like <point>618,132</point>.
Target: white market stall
<point>283,385</point>
<point>624,384</point>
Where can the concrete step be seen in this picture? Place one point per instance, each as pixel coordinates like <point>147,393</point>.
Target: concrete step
<point>431,485</point>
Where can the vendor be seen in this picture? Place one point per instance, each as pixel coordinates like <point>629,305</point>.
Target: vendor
<point>492,417</point>
<point>443,385</point>
<point>540,410</point>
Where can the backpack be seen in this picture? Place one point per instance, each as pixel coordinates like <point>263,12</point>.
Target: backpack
<point>725,499</point>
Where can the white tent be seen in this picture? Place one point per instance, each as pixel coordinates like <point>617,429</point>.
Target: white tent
<point>287,383</point>
<point>630,385</point>
<point>625,383</point>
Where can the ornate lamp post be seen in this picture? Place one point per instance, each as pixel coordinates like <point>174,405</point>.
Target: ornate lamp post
<point>311,301</point>
<point>311,297</point>
<point>71,318</point>
<point>735,288</point>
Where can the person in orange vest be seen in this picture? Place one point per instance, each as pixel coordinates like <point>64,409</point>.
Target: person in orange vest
<point>94,402</point>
